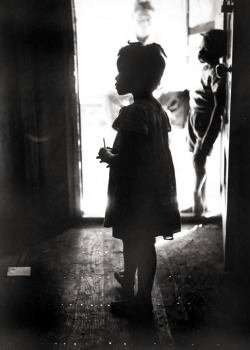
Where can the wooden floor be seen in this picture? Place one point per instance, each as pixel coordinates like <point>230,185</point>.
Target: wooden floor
<point>65,302</point>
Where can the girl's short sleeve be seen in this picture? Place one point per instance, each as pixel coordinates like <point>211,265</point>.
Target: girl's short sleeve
<point>218,85</point>
<point>132,118</point>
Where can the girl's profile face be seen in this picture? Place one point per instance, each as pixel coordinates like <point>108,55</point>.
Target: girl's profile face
<point>203,51</point>
<point>124,81</point>
<point>206,52</point>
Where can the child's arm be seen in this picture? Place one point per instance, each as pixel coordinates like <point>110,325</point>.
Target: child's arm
<point>131,143</point>
<point>106,156</point>
<point>218,89</point>
<point>214,124</point>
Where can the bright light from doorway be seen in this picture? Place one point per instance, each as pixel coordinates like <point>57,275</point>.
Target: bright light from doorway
<point>102,28</point>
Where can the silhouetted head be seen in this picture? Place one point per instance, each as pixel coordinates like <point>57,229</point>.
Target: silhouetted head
<point>213,46</point>
<point>143,16</point>
<point>140,68</point>
<point>143,5</point>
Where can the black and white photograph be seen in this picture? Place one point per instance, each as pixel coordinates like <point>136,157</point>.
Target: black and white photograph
<point>124,174</point>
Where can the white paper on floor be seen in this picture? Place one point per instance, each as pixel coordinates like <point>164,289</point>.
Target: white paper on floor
<point>19,271</point>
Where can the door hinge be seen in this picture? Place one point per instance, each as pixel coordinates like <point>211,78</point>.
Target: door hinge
<point>227,7</point>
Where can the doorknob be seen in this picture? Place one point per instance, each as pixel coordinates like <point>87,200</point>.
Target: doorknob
<point>222,70</point>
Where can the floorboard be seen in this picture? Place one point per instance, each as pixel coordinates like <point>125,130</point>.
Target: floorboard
<point>65,303</point>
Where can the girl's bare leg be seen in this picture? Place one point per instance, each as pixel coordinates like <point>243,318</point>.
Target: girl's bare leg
<point>199,163</point>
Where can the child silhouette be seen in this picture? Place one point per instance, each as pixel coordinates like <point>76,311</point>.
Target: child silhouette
<point>207,105</point>
<point>142,200</point>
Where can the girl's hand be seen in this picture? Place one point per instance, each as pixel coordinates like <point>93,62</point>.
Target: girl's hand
<point>104,155</point>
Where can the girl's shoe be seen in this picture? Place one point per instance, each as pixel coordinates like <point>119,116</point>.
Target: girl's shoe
<point>119,277</point>
<point>132,311</point>
<point>123,308</point>
<point>126,292</point>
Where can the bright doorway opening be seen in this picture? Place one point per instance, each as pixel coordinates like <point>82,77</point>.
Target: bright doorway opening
<point>103,27</point>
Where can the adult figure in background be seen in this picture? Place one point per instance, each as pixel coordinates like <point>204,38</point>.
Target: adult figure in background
<point>142,16</point>
<point>142,31</point>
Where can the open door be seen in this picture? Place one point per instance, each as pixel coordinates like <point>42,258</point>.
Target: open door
<point>227,9</point>
<point>236,219</point>
<point>103,27</point>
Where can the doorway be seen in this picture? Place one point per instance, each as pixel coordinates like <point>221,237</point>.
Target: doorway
<point>101,32</point>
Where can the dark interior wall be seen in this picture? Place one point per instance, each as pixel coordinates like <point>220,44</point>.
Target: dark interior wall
<point>237,247</point>
<point>38,115</point>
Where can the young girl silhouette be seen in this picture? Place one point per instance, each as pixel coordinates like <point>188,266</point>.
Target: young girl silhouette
<point>142,200</point>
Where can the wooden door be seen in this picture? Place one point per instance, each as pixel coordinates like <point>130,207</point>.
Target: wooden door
<point>236,220</point>
<point>227,9</point>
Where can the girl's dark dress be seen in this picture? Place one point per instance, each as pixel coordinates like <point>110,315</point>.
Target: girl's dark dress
<point>142,200</point>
